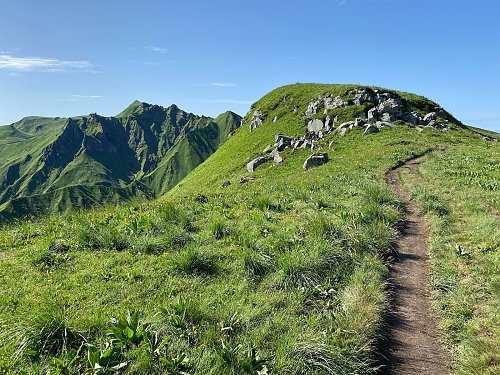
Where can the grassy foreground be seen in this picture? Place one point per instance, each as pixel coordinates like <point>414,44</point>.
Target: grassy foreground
<point>283,275</point>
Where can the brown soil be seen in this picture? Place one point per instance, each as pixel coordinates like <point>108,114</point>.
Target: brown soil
<point>411,344</point>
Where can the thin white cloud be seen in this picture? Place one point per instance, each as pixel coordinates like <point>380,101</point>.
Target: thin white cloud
<point>87,96</point>
<point>221,84</point>
<point>40,64</point>
<point>156,49</point>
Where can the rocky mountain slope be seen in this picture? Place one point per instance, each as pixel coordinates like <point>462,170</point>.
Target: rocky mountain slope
<point>53,164</point>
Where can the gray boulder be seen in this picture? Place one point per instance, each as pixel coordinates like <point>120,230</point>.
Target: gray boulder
<point>315,160</point>
<point>276,156</point>
<point>315,125</point>
<point>251,166</point>
<point>411,117</point>
<point>359,122</point>
<point>372,115</point>
<point>282,142</point>
<point>391,109</point>
<point>430,117</point>
<point>362,97</point>
<point>371,129</point>
<point>256,120</point>
<point>226,184</point>
<point>314,106</point>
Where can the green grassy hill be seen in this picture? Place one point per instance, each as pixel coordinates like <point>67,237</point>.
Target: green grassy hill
<point>52,165</point>
<point>283,274</point>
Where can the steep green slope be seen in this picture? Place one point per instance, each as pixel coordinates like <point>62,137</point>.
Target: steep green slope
<point>49,165</point>
<point>283,274</point>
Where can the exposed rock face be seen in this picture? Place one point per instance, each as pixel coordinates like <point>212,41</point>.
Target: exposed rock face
<point>251,166</point>
<point>256,120</point>
<point>315,160</point>
<point>325,102</point>
<point>430,117</point>
<point>387,107</point>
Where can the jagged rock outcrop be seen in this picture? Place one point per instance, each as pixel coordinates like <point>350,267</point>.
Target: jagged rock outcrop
<point>256,120</point>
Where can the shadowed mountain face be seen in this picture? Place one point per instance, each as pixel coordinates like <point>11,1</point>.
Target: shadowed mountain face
<point>54,164</point>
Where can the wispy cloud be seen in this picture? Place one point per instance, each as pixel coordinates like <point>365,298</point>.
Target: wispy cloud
<point>221,84</point>
<point>87,96</point>
<point>40,64</point>
<point>156,49</point>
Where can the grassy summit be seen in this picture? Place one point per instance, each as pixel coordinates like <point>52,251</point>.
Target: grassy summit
<point>284,274</point>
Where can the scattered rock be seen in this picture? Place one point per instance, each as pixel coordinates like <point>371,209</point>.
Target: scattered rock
<point>342,131</point>
<point>430,117</point>
<point>359,122</point>
<point>372,115</point>
<point>275,118</point>
<point>256,120</point>
<point>282,142</point>
<point>371,129</point>
<point>276,156</point>
<point>314,106</point>
<point>315,125</point>
<point>315,160</point>
<point>384,124</point>
<point>245,179</point>
<point>226,184</point>
<point>251,166</point>
<point>411,117</point>
<point>345,125</point>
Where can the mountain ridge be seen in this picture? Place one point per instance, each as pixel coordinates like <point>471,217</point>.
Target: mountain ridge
<point>113,153</point>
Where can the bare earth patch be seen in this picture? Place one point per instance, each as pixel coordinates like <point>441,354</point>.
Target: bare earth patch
<point>412,342</point>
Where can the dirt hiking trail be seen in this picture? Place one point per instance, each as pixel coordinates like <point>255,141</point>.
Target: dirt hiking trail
<point>411,344</point>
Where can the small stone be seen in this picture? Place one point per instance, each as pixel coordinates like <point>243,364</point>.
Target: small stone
<point>226,184</point>
<point>245,179</point>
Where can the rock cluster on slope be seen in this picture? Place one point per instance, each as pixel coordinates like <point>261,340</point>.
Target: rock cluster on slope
<point>385,108</point>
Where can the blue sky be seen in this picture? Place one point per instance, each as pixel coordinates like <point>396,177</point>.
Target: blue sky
<point>65,58</point>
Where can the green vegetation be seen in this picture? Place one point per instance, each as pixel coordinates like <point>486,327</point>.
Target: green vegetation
<point>52,165</point>
<point>458,191</point>
<point>285,274</point>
